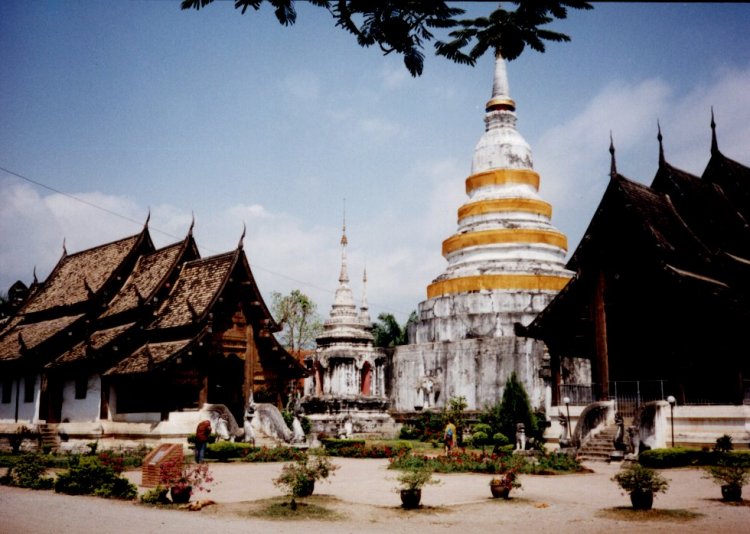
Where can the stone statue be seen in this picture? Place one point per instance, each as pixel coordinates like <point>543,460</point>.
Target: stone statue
<point>348,427</point>
<point>634,439</point>
<point>619,439</point>
<point>248,423</point>
<point>520,437</point>
<point>564,436</point>
<point>299,434</point>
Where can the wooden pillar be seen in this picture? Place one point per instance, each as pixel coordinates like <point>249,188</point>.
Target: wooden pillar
<point>600,338</point>
<point>556,377</point>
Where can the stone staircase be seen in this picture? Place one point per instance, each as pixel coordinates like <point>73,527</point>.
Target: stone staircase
<point>599,447</point>
<point>49,438</point>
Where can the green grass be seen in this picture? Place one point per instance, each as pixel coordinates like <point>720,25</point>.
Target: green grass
<point>626,513</point>
<point>279,509</point>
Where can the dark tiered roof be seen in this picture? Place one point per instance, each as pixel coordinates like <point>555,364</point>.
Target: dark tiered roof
<point>675,260</point>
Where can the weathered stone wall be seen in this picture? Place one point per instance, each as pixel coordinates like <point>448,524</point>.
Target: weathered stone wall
<point>430,374</point>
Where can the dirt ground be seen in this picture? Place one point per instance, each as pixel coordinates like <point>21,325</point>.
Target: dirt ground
<point>362,494</point>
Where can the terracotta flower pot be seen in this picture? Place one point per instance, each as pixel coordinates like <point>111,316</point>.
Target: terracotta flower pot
<point>642,499</point>
<point>731,493</point>
<point>307,488</point>
<point>410,498</point>
<point>180,494</point>
<point>499,490</point>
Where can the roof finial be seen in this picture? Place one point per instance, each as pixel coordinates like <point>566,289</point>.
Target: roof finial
<point>35,279</point>
<point>192,224</point>
<point>714,142</point>
<point>661,145</point>
<point>148,218</point>
<point>65,250</point>
<point>344,276</point>
<point>242,237</point>
<point>613,163</point>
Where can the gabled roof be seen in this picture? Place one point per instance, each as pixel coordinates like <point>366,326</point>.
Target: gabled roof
<point>23,338</point>
<point>78,277</point>
<point>706,209</point>
<point>148,357</point>
<point>149,274</point>
<point>199,284</point>
<point>88,348</point>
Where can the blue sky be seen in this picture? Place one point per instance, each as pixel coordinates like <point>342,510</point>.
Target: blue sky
<point>138,106</point>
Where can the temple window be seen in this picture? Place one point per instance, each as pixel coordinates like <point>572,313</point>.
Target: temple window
<point>28,388</point>
<point>81,385</point>
<point>7,387</point>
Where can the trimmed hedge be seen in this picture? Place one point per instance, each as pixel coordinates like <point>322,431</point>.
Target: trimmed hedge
<point>332,445</point>
<point>684,457</point>
<point>223,451</point>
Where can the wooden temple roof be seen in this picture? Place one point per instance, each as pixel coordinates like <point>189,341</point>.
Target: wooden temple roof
<point>148,357</point>
<point>78,277</point>
<point>24,338</point>
<point>149,275</point>
<point>87,349</point>
<point>684,236</point>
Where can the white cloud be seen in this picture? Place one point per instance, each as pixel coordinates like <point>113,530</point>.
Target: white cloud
<point>573,158</point>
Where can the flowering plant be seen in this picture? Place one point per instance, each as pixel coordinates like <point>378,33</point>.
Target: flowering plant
<point>507,480</point>
<point>183,476</point>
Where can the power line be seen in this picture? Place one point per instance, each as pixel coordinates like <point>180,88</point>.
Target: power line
<point>130,219</point>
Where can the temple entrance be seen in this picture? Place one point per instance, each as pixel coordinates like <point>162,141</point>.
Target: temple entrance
<point>226,378</point>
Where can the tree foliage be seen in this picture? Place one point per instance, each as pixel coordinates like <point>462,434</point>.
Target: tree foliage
<point>512,409</point>
<point>387,331</point>
<point>297,314</point>
<point>405,26</point>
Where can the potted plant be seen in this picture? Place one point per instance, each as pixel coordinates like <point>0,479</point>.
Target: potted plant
<point>183,478</point>
<point>298,478</point>
<point>501,484</point>
<point>731,476</point>
<point>641,483</point>
<point>411,483</point>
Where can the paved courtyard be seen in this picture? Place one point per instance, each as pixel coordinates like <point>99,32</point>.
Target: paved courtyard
<point>362,491</point>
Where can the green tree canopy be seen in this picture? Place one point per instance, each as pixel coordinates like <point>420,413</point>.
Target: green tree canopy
<point>387,331</point>
<point>297,314</point>
<point>405,26</point>
<point>513,408</point>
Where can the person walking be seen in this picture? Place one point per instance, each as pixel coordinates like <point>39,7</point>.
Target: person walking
<point>202,433</point>
<point>449,436</point>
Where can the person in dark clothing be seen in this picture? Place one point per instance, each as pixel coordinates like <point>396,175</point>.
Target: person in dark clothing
<point>202,434</point>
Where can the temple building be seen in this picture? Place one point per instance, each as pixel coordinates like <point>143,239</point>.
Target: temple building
<point>125,333</point>
<point>506,262</point>
<point>659,300</point>
<point>348,375</point>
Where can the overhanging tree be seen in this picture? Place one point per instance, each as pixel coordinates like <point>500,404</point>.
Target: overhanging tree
<point>405,26</point>
<point>297,314</point>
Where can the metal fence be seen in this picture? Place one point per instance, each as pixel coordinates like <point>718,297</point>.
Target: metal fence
<point>629,395</point>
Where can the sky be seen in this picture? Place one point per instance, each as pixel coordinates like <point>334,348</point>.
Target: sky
<point>112,110</point>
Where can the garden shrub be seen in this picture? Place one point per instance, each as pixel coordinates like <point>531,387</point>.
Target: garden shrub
<point>226,450</point>
<point>274,454</point>
<point>377,450</point>
<point>89,476</point>
<point>682,457</point>
<point>28,472</point>
<point>331,445</point>
<point>555,463</point>
<point>409,432</point>
<point>157,495</point>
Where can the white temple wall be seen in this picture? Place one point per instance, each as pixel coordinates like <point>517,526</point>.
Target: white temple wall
<point>28,411</point>
<point>84,409</point>
<point>476,369</point>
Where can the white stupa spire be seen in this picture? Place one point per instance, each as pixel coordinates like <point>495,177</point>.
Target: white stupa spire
<point>345,321</point>
<point>364,308</point>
